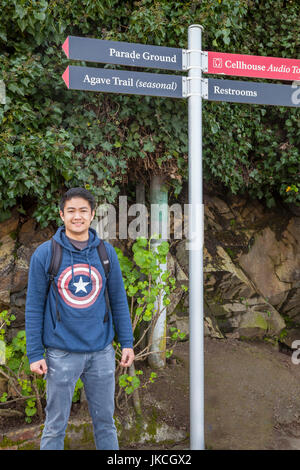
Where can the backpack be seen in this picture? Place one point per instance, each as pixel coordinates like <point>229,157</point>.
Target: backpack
<point>56,257</point>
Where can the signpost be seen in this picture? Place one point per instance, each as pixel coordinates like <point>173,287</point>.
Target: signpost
<point>195,239</point>
<point>242,65</point>
<point>252,92</point>
<point>122,81</point>
<point>122,53</point>
<point>194,88</point>
<point>172,58</point>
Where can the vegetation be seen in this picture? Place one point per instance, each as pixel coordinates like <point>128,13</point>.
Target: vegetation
<point>52,138</point>
<point>144,282</point>
<point>148,289</point>
<point>22,384</point>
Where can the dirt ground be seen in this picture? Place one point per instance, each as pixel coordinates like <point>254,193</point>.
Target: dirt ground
<point>168,396</point>
<point>252,398</point>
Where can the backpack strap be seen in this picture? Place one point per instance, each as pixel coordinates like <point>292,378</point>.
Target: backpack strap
<point>106,266</point>
<point>55,259</point>
<point>56,256</point>
<point>103,257</point>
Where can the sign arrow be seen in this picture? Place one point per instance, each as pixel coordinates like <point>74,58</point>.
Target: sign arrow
<point>65,76</point>
<point>65,47</point>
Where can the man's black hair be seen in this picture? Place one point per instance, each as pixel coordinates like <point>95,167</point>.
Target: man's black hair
<point>77,192</point>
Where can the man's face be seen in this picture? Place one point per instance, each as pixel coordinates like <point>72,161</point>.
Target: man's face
<point>77,216</point>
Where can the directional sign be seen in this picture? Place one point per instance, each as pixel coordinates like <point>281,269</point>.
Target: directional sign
<point>122,81</point>
<point>122,53</point>
<point>252,66</point>
<point>252,92</point>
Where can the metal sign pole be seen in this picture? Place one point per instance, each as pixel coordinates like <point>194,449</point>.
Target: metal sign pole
<point>195,239</point>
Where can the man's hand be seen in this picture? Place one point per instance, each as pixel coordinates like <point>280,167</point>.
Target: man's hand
<point>39,367</point>
<point>127,357</point>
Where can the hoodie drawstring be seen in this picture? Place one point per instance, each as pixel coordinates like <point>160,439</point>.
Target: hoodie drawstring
<point>89,263</point>
<point>72,264</point>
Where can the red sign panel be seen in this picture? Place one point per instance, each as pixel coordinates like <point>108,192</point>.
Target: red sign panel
<point>253,66</point>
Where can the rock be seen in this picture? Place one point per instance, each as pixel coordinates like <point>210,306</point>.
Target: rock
<point>9,226</point>
<point>148,430</point>
<point>18,299</point>
<point>84,407</point>
<point>171,264</point>
<point>18,323</point>
<point>234,335</point>
<point>3,384</point>
<point>247,213</point>
<point>251,265</point>
<point>182,324</point>
<point>182,256</point>
<point>21,267</point>
<point>175,298</point>
<point>211,327</point>
<point>9,413</point>
<point>221,206</point>
<point>273,265</point>
<point>180,274</point>
<point>7,260</point>
<point>251,254</point>
<point>210,221</point>
<point>293,334</point>
<point>291,305</point>
<point>31,234</point>
<point>212,330</point>
<point>228,265</point>
<point>258,323</point>
<point>294,209</point>
<point>79,434</point>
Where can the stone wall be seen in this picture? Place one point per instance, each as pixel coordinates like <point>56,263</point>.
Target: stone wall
<point>252,269</point>
<point>19,237</point>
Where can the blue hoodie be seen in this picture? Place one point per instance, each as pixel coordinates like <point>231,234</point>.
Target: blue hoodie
<point>80,284</point>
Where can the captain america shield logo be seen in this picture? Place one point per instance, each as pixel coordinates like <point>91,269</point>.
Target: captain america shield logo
<point>80,291</point>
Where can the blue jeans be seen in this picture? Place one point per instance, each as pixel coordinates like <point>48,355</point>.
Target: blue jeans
<point>97,371</point>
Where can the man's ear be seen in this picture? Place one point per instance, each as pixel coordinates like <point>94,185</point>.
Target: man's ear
<point>93,215</point>
<point>61,215</point>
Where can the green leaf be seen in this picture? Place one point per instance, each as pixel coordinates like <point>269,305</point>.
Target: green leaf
<point>106,146</point>
<point>20,11</point>
<point>149,147</point>
<point>39,16</point>
<point>30,411</point>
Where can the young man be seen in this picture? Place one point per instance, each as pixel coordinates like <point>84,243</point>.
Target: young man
<point>72,324</point>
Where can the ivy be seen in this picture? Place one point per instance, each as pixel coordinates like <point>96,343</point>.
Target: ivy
<point>15,369</point>
<point>52,138</point>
